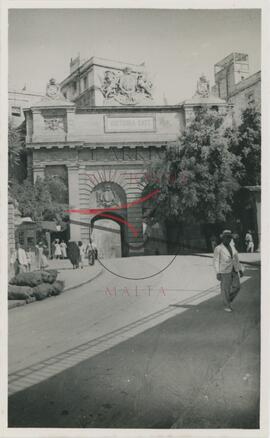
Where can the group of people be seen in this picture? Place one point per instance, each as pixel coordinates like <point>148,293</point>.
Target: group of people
<point>23,260</point>
<point>59,249</point>
<point>77,252</point>
<point>248,242</point>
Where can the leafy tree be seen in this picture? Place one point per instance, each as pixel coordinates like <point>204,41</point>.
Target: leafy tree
<point>245,142</point>
<point>44,200</point>
<point>15,150</point>
<point>198,177</point>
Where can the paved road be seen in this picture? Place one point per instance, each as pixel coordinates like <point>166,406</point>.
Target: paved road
<point>124,353</point>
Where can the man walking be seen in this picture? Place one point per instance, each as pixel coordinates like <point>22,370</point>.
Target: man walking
<point>228,269</point>
<point>249,242</point>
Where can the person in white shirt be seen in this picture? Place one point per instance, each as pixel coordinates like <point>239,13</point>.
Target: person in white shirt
<point>228,269</point>
<point>21,262</point>
<point>249,242</point>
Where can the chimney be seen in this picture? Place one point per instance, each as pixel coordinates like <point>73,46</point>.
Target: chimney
<point>74,63</point>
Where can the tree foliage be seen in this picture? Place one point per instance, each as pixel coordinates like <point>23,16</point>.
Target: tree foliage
<point>245,143</point>
<point>47,199</point>
<point>198,176</point>
<point>15,149</point>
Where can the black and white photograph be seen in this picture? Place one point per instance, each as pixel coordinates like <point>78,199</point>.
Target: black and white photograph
<point>134,235</point>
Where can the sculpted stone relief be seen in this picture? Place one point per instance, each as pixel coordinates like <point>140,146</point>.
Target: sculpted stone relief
<point>53,90</point>
<point>106,197</point>
<point>127,87</point>
<point>203,87</point>
<point>54,123</point>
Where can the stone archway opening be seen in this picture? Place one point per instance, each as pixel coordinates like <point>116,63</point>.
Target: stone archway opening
<point>110,235</point>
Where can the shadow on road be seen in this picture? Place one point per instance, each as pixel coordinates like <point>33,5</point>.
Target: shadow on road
<point>199,369</point>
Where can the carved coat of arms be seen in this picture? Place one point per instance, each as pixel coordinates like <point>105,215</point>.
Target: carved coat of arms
<point>203,87</point>
<point>127,82</point>
<point>53,89</point>
<point>106,197</point>
<point>127,87</point>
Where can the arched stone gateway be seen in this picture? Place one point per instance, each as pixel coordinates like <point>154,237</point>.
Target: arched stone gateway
<point>104,138</point>
<point>109,235</point>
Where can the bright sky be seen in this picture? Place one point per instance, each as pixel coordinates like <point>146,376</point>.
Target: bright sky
<point>176,45</point>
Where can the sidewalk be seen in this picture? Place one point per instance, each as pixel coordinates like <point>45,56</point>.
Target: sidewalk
<point>73,278</point>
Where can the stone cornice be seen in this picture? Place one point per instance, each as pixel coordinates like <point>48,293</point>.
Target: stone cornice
<point>129,109</point>
<point>85,145</point>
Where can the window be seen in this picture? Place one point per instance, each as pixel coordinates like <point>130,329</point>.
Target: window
<point>85,82</point>
<point>16,111</point>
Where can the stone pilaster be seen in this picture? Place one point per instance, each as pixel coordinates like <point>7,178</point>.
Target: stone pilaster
<point>38,124</point>
<point>74,200</point>
<point>70,122</point>
<point>134,217</point>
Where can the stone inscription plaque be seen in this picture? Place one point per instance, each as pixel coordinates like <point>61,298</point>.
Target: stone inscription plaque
<point>129,124</point>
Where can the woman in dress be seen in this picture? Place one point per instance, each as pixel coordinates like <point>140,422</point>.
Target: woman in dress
<point>41,259</point>
<point>57,252</point>
<point>63,247</point>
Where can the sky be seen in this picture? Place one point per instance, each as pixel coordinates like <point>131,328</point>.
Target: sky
<point>177,46</point>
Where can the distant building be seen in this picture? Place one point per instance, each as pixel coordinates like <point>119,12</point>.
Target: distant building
<point>234,84</point>
<point>17,101</point>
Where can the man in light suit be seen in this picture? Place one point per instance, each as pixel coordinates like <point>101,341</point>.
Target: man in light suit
<point>228,269</point>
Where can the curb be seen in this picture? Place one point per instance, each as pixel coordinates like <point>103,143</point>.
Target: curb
<point>83,282</point>
<point>19,303</point>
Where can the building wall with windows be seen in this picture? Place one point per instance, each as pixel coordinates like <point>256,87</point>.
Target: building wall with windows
<point>17,101</point>
<point>246,94</point>
<point>234,83</point>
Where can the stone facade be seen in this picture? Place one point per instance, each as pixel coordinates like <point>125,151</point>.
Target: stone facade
<point>234,84</point>
<point>105,148</point>
<point>246,94</point>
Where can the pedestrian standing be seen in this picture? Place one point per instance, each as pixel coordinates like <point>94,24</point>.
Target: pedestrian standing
<point>228,269</point>
<point>53,249</point>
<point>63,247</point>
<point>81,248</point>
<point>41,259</point>
<point>29,259</point>
<point>249,242</point>
<point>94,246</point>
<point>57,252</point>
<point>73,254</point>
<point>19,260</point>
